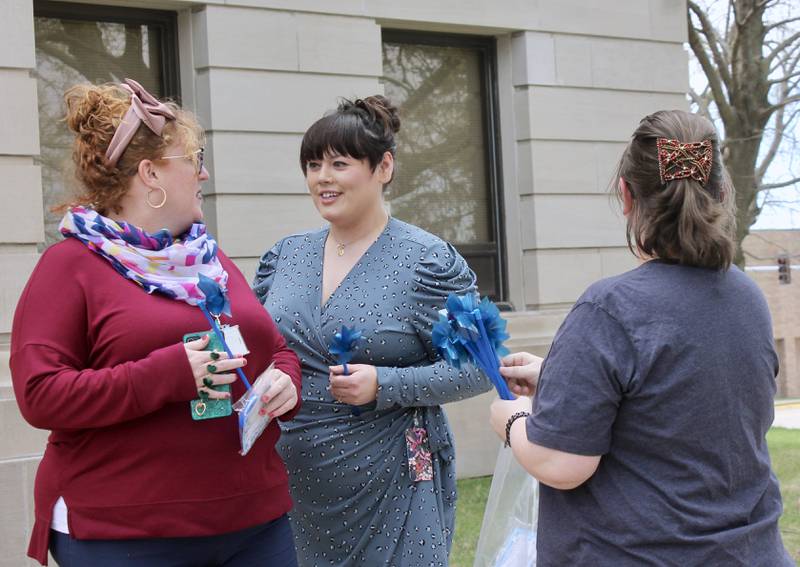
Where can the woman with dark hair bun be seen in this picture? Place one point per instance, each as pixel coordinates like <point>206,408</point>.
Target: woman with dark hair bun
<point>370,455</point>
<point>648,426</point>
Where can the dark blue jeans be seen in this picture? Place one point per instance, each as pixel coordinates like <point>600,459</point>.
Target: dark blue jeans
<point>267,545</point>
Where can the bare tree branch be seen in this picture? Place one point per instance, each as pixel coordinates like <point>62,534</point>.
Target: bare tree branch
<point>725,110</point>
<point>781,46</point>
<point>780,24</point>
<point>715,45</point>
<point>780,104</point>
<point>780,184</point>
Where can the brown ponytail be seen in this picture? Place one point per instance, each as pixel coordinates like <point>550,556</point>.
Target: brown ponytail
<point>681,220</point>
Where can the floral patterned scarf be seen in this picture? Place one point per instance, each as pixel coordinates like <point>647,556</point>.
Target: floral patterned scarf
<point>156,262</point>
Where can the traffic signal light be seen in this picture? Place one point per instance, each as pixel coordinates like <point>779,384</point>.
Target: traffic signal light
<point>784,269</point>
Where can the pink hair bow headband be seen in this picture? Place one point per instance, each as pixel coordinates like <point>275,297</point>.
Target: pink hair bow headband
<point>145,109</point>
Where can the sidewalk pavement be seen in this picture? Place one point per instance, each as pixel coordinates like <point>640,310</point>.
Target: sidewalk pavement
<point>787,414</point>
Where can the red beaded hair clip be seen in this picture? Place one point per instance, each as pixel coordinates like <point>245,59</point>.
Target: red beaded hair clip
<point>679,160</point>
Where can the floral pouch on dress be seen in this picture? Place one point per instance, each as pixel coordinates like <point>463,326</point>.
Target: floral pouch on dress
<point>420,465</point>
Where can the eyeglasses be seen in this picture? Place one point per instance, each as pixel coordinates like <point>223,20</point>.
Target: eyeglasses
<point>200,158</point>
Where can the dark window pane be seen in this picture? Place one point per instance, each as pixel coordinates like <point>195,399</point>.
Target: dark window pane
<point>70,51</point>
<point>446,171</point>
<point>441,179</point>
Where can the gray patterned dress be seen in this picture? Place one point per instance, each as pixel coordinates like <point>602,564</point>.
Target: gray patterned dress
<point>355,503</point>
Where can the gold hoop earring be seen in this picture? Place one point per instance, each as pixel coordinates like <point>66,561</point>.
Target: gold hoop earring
<point>163,201</point>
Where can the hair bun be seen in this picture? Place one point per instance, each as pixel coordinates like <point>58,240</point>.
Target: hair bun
<point>87,106</point>
<point>387,111</point>
<point>377,108</point>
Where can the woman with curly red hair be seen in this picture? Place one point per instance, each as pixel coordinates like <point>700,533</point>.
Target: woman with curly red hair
<point>135,472</point>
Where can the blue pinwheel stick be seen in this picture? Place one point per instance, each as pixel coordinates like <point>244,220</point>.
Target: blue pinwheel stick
<point>216,303</point>
<point>343,347</point>
<point>469,330</point>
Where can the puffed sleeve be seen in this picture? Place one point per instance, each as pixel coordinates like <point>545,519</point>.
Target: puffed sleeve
<point>265,273</point>
<point>441,271</point>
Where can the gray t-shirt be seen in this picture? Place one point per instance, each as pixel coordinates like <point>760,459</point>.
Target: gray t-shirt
<point>668,372</point>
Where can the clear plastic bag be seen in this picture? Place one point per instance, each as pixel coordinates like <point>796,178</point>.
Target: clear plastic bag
<point>251,423</point>
<point>508,532</point>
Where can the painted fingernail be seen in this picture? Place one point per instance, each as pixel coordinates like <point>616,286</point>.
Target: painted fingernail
<point>214,355</point>
<point>262,411</point>
<point>271,415</point>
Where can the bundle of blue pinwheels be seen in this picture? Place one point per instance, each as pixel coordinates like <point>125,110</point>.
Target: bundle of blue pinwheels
<point>471,329</point>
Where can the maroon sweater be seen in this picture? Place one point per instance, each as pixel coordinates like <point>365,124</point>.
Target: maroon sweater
<point>98,361</point>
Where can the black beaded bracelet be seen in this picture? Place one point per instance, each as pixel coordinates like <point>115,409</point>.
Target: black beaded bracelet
<point>511,421</point>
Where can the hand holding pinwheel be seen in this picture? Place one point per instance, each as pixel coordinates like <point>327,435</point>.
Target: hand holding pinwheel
<point>473,331</point>
<point>361,385</point>
<point>215,304</point>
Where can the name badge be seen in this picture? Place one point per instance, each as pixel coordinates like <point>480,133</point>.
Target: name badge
<point>234,339</point>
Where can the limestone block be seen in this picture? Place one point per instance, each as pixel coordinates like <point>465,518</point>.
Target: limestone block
<point>533,331</point>
<point>475,442</point>
<point>668,20</point>
<point>22,186</point>
<point>514,14</point>
<point>248,266</point>
<point>561,275</point>
<point>354,7</point>
<point>664,20</point>
<point>558,113</point>
<point>245,162</point>
<point>533,56</point>
<point>624,18</point>
<point>250,224</point>
<point>555,166</point>
<point>527,223</point>
<point>15,268</point>
<point>572,221</point>
<point>630,64</point>
<point>574,60</point>
<point>19,114</point>
<point>267,101</point>
<point>16,30</point>
<point>16,516</point>
<point>245,38</point>
<point>339,45</point>
<point>19,438</point>
<point>615,261</point>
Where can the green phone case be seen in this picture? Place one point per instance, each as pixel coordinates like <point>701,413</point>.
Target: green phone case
<point>210,409</point>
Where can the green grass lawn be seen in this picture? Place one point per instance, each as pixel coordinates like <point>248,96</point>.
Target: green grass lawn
<point>784,446</point>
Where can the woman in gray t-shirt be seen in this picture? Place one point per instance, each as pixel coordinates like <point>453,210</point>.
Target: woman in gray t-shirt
<point>649,419</point>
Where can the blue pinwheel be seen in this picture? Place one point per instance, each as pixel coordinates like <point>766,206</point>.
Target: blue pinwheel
<point>472,330</point>
<point>215,304</point>
<point>343,347</point>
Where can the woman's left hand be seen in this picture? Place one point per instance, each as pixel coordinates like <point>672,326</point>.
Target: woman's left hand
<point>501,410</point>
<point>357,388</point>
<point>281,396</point>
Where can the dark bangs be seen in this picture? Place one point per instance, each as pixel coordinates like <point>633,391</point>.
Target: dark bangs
<point>342,134</point>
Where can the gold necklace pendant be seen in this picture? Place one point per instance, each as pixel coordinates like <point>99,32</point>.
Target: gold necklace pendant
<point>340,248</point>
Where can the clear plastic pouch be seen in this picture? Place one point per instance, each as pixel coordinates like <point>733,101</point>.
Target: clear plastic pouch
<point>251,423</point>
<point>508,531</point>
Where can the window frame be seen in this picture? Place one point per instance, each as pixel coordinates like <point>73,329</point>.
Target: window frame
<point>164,20</point>
<point>486,46</point>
